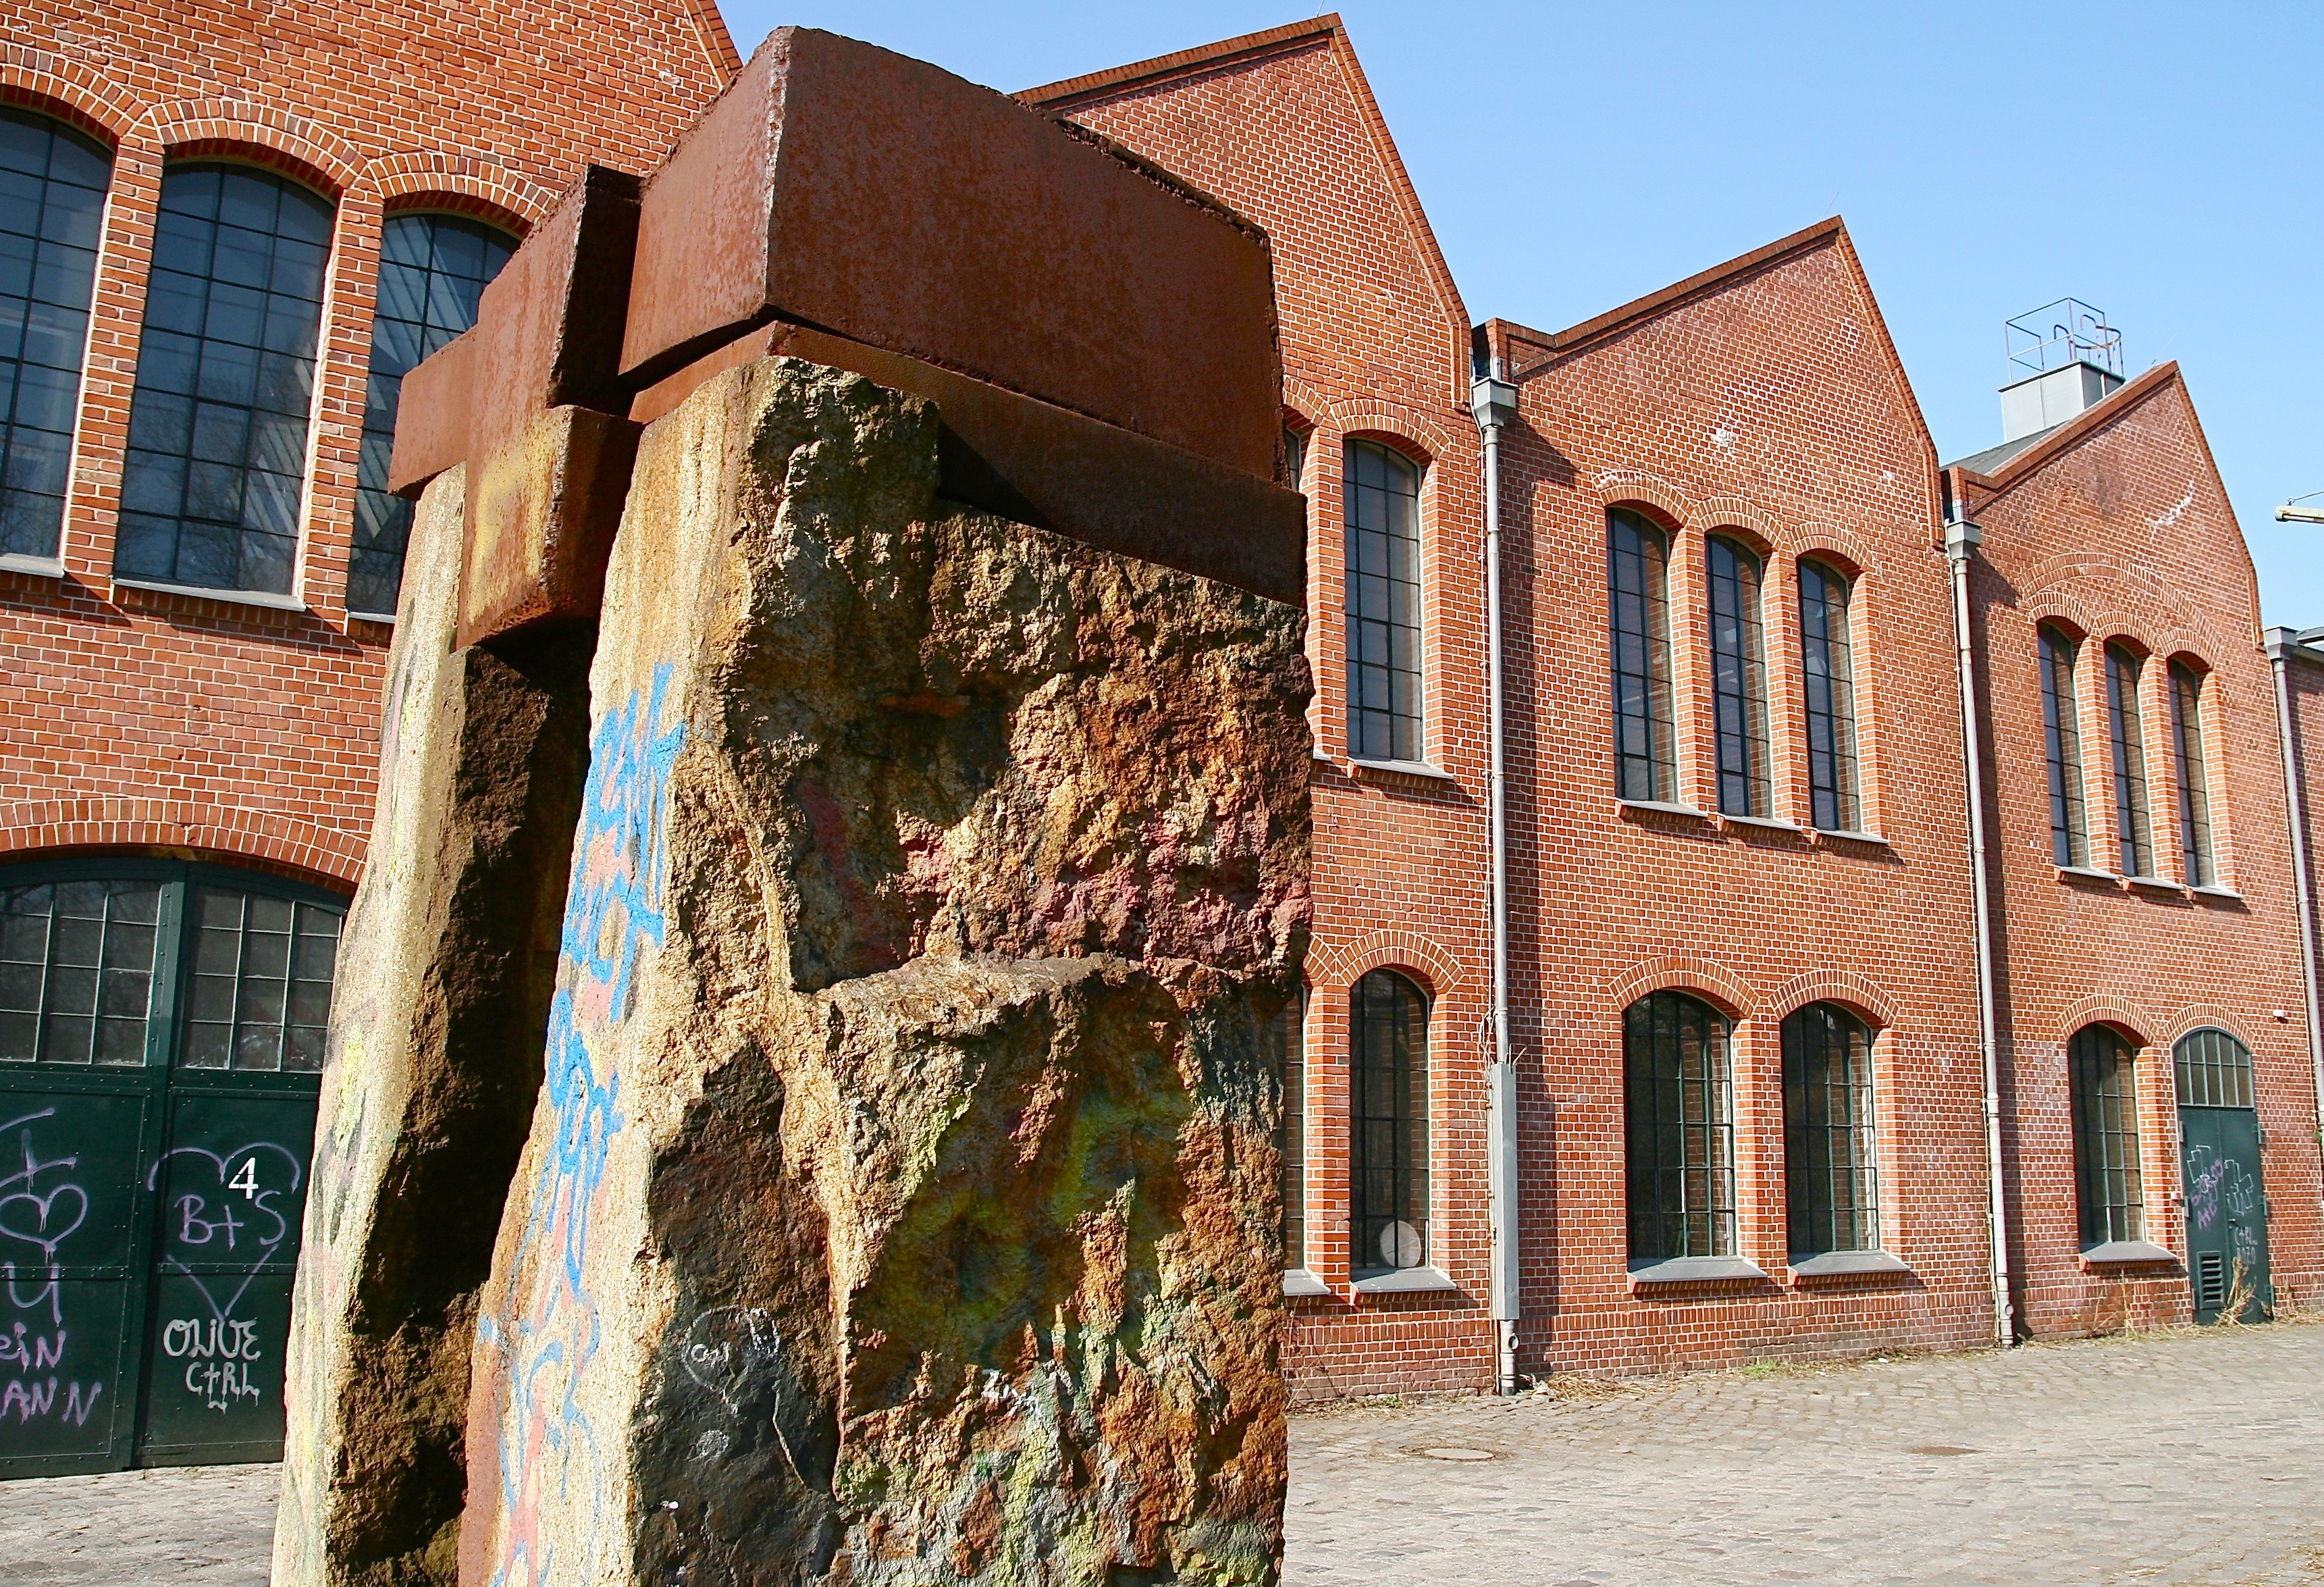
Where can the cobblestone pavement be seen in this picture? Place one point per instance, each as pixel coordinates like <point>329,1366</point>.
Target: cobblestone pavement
<point>2192,1458</point>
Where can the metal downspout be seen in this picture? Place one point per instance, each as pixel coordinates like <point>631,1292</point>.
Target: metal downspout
<point>2280,642</point>
<point>1493,402</point>
<point>1962,538</point>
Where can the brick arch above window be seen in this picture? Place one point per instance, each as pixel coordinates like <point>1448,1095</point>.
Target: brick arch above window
<point>1416,434</point>
<point>56,86</point>
<point>196,129</point>
<point>2192,644</point>
<point>2100,1009</point>
<point>2197,1017</point>
<point>1630,487</point>
<point>214,831</point>
<point>1428,964</point>
<point>414,180</point>
<point>1851,990</point>
<point>1834,548</point>
<point>1736,520</point>
<point>1707,979</point>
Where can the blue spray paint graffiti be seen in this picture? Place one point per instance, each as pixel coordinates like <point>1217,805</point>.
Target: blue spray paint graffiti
<point>612,912</point>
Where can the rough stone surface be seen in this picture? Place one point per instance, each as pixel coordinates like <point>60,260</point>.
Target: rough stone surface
<point>900,1203</point>
<point>434,1064</point>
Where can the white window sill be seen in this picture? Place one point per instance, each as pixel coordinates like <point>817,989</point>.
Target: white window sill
<point>227,597</point>
<point>2124,1252</point>
<point>2153,883</point>
<point>37,566</point>
<point>384,619</point>
<point>1851,835</point>
<point>1299,1281</point>
<point>1846,1264</point>
<point>1694,1270</point>
<point>2085,873</point>
<point>1402,768</point>
<point>1662,808</point>
<point>1765,823</point>
<point>1406,1281</point>
<point>2216,892</point>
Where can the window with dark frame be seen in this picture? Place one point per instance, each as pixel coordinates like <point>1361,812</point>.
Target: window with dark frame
<point>1829,1173</point>
<point>1295,453</point>
<point>52,188</point>
<point>1828,663</point>
<point>2214,1070</point>
<point>216,461</point>
<point>1289,1037</point>
<point>2102,1077</point>
<point>1382,489</point>
<point>1638,584</point>
<point>2062,733</point>
<point>432,271</point>
<point>2195,856</point>
<point>2135,835</point>
<point>1388,1136</point>
<point>1738,677</point>
<point>1678,1100</point>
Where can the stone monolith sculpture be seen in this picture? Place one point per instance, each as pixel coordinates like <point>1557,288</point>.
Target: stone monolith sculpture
<point>804,1117</point>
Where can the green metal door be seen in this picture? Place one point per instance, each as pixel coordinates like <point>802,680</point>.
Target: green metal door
<point>2220,1161</point>
<point>161,1040</point>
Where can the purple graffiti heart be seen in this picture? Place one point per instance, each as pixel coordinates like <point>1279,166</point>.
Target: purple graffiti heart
<point>185,1212</point>
<point>44,1207</point>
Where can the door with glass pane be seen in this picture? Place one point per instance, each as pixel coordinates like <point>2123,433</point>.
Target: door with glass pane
<point>160,1037</point>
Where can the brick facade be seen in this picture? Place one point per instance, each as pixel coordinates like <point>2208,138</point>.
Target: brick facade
<point>134,718</point>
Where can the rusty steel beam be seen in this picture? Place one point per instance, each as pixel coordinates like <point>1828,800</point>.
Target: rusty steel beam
<point>842,187</point>
<point>1038,464</point>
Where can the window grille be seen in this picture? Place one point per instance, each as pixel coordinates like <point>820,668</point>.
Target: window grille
<point>2215,1070</point>
<point>2102,1079</point>
<point>1829,1172</point>
<point>1388,1104</point>
<point>1382,492</point>
<point>2061,732</point>
<point>1290,1042</point>
<point>1827,656</point>
<point>1637,581</point>
<point>432,270</point>
<point>225,375</point>
<point>2194,782</point>
<point>2132,831</point>
<point>1739,678</point>
<point>1679,1095</point>
<point>77,971</point>
<point>52,185</point>
<point>260,995</point>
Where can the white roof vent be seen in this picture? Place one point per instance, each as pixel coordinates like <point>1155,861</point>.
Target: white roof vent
<point>2063,357</point>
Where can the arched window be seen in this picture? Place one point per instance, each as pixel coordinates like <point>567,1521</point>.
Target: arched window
<point>1739,678</point>
<point>1382,492</point>
<point>2133,832</point>
<point>1289,1038</point>
<point>226,377</point>
<point>1638,584</point>
<point>2198,869</point>
<point>2222,1177</point>
<point>2062,733</point>
<point>1678,1095</point>
<point>2215,1070</point>
<point>432,269</point>
<point>53,184</point>
<point>1388,1133</point>
<point>2109,1189</point>
<point>1828,660</point>
<point>1829,1172</point>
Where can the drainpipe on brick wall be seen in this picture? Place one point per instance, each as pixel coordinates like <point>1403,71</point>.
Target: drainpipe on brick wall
<point>2280,643</point>
<point>1961,537</point>
<point>1494,404</point>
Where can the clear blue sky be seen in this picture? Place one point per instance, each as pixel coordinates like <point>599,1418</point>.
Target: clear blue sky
<point>2159,161</point>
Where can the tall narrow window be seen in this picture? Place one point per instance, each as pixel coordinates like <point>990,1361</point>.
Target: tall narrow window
<point>1382,488</point>
<point>1828,1173</point>
<point>225,375</point>
<point>1827,659</point>
<point>2194,783</point>
<point>1295,454</point>
<point>2103,1082</point>
<point>1290,1039</point>
<point>432,269</point>
<point>2135,835</point>
<point>1638,580</point>
<point>2062,733</point>
<point>1678,1098</point>
<point>1387,1137</point>
<point>52,183</point>
<point>1739,678</point>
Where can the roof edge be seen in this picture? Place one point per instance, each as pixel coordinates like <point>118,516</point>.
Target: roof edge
<point>717,42</point>
<point>1059,96</point>
<point>2073,432</point>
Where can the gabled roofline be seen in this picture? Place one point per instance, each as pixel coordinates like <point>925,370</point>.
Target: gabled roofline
<point>2071,433</point>
<point>1557,345</point>
<point>710,28</point>
<point>1062,99</point>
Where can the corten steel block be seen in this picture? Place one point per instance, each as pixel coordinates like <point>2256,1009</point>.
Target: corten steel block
<point>1059,470</point>
<point>431,418</point>
<point>843,187</point>
<point>542,514</point>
